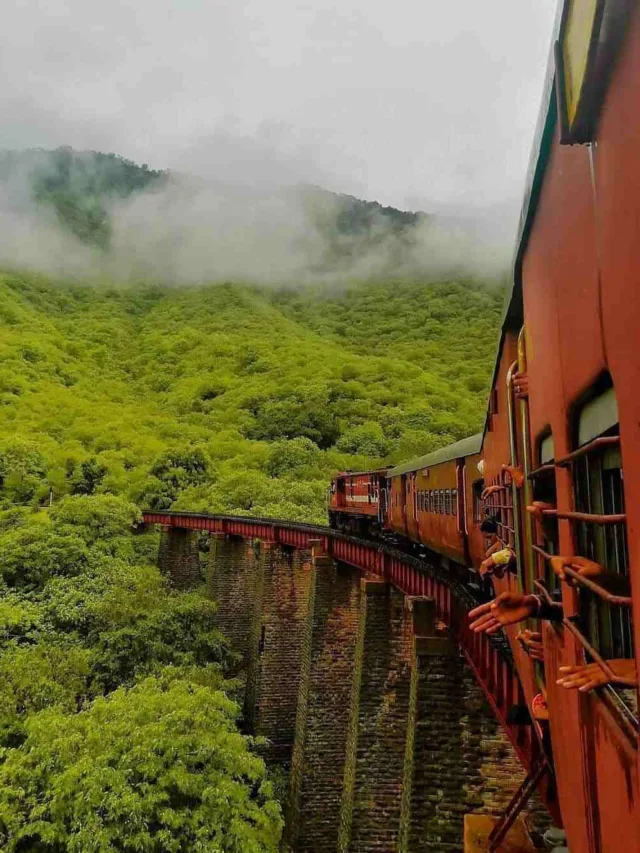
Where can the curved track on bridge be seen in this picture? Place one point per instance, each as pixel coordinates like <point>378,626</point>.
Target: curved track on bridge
<point>489,658</point>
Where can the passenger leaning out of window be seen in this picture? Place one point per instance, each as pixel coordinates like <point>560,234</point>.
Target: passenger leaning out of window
<point>510,608</point>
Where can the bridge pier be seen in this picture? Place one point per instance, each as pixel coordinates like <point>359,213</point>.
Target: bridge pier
<point>234,582</point>
<point>459,760</point>
<point>178,556</point>
<point>379,720</point>
<point>324,701</point>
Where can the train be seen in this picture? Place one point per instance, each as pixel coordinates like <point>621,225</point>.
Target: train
<point>556,467</point>
<point>428,505</point>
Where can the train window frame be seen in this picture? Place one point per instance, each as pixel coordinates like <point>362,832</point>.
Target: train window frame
<point>479,514</point>
<point>598,488</point>
<point>454,502</point>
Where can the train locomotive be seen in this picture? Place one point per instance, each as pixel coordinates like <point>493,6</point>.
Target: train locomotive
<point>557,465</point>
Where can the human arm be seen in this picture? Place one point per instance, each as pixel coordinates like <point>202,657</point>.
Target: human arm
<point>614,583</point>
<point>531,641</point>
<point>515,473</point>
<point>490,490</point>
<point>499,559</point>
<point>510,608</point>
<point>538,508</point>
<point>588,676</point>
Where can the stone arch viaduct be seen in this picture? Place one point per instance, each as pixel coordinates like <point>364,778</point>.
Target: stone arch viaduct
<point>392,720</point>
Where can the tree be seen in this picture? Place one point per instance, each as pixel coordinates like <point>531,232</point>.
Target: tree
<point>159,767</point>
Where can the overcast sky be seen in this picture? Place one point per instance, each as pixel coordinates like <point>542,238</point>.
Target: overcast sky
<point>416,103</point>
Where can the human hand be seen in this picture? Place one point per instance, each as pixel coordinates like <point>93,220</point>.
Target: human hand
<point>589,676</point>
<point>521,385</point>
<point>487,566</point>
<point>490,490</point>
<point>531,641</point>
<point>515,473</point>
<point>537,509</point>
<point>584,567</point>
<point>507,609</point>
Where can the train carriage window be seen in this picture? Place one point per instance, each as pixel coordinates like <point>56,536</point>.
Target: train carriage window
<point>598,490</point>
<point>447,502</point>
<point>547,451</point>
<point>454,502</point>
<point>478,508</point>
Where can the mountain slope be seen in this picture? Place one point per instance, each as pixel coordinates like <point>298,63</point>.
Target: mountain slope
<point>228,397</point>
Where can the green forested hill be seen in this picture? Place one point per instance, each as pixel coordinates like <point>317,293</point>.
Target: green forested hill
<point>117,720</point>
<point>228,397</point>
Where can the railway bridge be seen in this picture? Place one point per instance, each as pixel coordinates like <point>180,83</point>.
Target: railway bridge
<point>392,718</point>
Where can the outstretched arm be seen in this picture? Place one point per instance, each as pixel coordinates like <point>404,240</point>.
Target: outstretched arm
<point>614,583</point>
<point>510,608</point>
<point>507,609</point>
<point>589,676</point>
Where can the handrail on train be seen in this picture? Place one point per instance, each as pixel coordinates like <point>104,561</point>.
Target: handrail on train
<point>602,441</point>
<point>587,517</point>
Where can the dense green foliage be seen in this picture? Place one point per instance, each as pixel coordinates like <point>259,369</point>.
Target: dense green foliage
<point>116,727</point>
<point>230,398</point>
<point>161,767</point>
<point>78,186</point>
<point>116,730</point>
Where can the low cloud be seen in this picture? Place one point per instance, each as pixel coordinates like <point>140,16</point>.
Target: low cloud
<point>268,229</point>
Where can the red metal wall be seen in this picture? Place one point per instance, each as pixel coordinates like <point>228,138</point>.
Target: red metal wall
<point>437,530</point>
<point>359,494</point>
<point>581,281</point>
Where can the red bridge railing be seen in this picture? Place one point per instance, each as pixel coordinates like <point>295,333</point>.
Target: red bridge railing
<point>489,658</point>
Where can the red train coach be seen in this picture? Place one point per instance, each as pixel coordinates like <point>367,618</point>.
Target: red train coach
<point>357,502</point>
<point>430,502</point>
<point>565,410</point>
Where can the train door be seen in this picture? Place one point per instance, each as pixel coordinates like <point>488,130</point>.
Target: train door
<point>383,500</point>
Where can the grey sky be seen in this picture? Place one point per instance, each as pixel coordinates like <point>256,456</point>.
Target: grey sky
<point>416,103</point>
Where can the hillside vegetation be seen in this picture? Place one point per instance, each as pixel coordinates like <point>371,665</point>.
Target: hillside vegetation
<point>117,726</point>
<point>230,398</point>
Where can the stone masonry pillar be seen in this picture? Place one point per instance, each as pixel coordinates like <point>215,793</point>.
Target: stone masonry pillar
<point>322,721</point>
<point>178,556</point>
<point>459,761</point>
<point>380,706</point>
<point>278,642</point>
<point>233,584</point>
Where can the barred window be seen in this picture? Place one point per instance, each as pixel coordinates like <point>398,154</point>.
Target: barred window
<point>598,491</point>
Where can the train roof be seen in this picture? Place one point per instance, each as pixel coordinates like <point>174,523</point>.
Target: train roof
<point>362,473</point>
<point>465,447</point>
